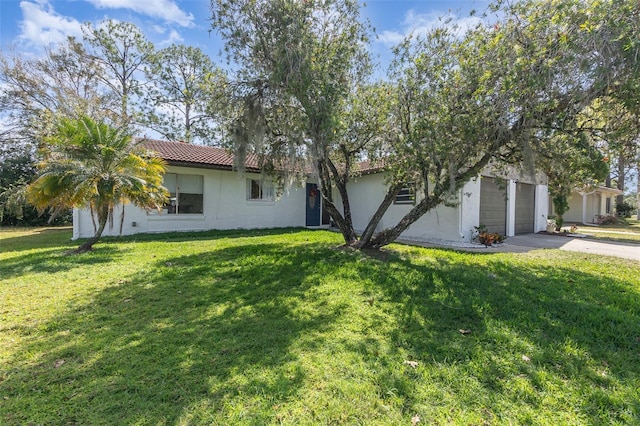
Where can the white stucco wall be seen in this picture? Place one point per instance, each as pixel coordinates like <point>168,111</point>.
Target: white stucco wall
<point>443,223</point>
<point>225,206</point>
<point>542,208</point>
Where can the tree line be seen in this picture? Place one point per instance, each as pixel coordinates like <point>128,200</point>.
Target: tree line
<point>548,85</point>
<point>113,75</point>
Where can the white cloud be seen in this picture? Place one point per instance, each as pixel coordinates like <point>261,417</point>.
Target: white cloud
<point>174,37</point>
<point>163,9</point>
<point>420,24</point>
<point>42,26</point>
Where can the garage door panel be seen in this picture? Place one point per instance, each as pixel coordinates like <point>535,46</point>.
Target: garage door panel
<point>493,205</point>
<point>525,208</point>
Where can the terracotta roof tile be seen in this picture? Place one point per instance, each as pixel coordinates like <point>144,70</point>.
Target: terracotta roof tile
<point>181,153</point>
<point>196,155</point>
<point>368,167</point>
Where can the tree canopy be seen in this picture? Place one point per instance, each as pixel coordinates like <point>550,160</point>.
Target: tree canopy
<point>453,104</point>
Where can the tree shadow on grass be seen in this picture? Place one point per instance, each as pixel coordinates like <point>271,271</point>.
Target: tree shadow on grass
<point>46,237</point>
<point>505,323</point>
<point>224,333</point>
<point>53,260</point>
<point>194,330</point>
<point>56,258</point>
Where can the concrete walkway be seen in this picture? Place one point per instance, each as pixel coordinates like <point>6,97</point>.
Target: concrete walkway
<point>526,243</point>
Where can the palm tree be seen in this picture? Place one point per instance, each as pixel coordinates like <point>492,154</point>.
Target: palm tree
<point>92,165</point>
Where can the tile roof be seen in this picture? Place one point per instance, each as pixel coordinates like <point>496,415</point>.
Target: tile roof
<point>182,153</point>
<point>368,167</point>
<point>186,154</point>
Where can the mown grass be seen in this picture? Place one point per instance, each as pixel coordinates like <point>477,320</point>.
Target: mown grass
<point>283,327</point>
<point>627,232</point>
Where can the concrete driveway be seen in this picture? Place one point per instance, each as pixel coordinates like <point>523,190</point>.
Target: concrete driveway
<point>525,243</point>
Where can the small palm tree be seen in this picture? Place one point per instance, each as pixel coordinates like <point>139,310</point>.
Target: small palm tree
<point>92,165</point>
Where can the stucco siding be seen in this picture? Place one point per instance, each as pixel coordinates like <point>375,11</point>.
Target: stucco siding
<point>225,206</point>
<point>574,214</point>
<point>367,192</point>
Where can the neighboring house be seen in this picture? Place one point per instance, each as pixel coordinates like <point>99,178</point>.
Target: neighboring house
<point>206,193</point>
<point>590,206</point>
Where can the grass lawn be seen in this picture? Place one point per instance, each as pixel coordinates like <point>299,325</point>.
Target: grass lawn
<point>282,327</point>
<point>623,233</point>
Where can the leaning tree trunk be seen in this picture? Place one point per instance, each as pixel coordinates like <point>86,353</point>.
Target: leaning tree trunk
<point>343,222</point>
<point>437,197</point>
<point>389,235</point>
<point>366,236</point>
<point>102,223</point>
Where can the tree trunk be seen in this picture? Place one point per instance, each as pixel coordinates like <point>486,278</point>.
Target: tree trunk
<point>620,185</point>
<point>343,222</point>
<point>389,235</point>
<point>102,223</point>
<point>638,192</point>
<point>366,236</point>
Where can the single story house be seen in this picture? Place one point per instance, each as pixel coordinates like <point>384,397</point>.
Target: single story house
<point>207,193</point>
<point>588,207</point>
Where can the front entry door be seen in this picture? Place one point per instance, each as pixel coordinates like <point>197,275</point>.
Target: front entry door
<point>312,198</point>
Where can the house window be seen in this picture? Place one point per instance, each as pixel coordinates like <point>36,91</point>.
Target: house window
<point>607,202</point>
<point>407,194</point>
<point>186,193</point>
<point>259,190</point>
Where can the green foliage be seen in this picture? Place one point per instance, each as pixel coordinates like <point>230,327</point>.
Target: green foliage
<point>625,209</point>
<point>512,91</point>
<point>279,327</point>
<point>122,51</point>
<point>560,200</point>
<point>65,81</point>
<point>184,95</point>
<point>91,165</point>
<point>299,64</point>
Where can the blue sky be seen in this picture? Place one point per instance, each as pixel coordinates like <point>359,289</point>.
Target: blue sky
<point>30,25</point>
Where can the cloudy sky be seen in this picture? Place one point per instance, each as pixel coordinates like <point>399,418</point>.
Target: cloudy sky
<point>30,25</point>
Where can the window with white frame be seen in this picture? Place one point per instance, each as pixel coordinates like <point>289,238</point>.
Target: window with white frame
<point>407,194</point>
<point>259,190</point>
<point>186,193</point>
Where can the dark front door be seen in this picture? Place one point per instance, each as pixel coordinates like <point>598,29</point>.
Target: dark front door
<point>312,198</point>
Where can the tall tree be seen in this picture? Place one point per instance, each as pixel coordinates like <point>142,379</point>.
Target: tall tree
<point>185,91</point>
<point>89,164</point>
<point>123,52</point>
<point>618,131</point>
<point>33,92</point>
<point>299,62</point>
<point>65,81</point>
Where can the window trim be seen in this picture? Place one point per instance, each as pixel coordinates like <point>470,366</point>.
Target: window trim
<point>175,196</point>
<point>264,185</point>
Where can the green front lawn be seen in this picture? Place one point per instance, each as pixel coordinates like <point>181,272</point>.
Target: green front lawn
<point>628,232</point>
<point>282,327</point>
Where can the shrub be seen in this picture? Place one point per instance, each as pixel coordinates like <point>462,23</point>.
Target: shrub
<point>624,209</point>
<point>608,220</point>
